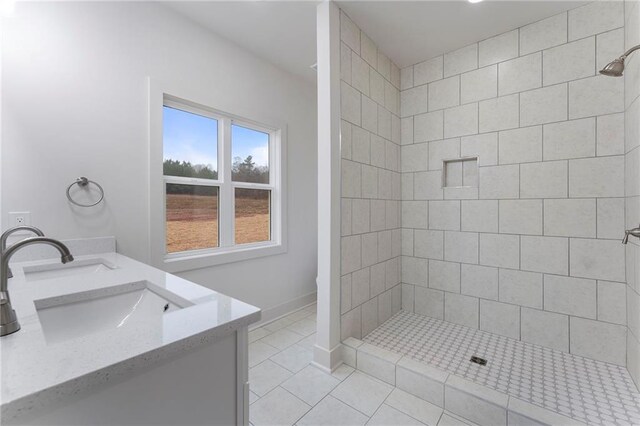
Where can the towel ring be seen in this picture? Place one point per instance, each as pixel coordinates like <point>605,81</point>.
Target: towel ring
<point>83,182</point>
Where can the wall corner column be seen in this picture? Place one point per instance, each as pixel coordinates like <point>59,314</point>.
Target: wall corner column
<point>327,354</point>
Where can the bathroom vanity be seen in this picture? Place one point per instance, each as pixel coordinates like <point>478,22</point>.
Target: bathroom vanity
<point>109,340</point>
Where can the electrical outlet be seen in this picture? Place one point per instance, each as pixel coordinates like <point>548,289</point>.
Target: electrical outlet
<point>19,219</point>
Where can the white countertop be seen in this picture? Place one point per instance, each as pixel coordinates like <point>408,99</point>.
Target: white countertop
<point>36,373</point>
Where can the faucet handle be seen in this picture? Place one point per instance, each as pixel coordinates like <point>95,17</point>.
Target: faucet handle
<point>625,240</point>
<point>635,232</point>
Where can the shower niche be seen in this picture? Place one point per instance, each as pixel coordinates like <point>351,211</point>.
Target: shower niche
<point>460,173</point>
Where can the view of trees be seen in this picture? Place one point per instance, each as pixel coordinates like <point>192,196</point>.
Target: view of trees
<point>241,170</point>
<point>186,169</point>
<point>246,171</point>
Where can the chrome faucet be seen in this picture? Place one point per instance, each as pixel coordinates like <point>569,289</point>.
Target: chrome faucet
<point>635,232</point>
<point>8,320</point>
<point>5,235</point>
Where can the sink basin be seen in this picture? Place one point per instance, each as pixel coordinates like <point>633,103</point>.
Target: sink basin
<point>57,269</point>
<point>119,307</point>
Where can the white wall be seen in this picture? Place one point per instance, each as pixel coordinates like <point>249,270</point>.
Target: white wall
<point>534,253</point>
<point>75,103</point>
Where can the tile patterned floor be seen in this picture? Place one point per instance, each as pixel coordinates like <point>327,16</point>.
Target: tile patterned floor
<point>287,390</point>
<point>593,392</point>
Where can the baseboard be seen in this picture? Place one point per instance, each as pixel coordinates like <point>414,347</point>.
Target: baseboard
<point>284,309</point>
<point>326,360</point>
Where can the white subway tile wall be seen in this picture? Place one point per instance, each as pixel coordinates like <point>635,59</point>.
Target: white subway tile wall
<point>534,254</point>
<point>372,212</point>
<point>631,149</point>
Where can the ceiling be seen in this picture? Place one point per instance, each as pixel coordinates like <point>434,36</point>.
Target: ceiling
<point>281,32</point>
<point>284,32</point>
<point>413,31</point>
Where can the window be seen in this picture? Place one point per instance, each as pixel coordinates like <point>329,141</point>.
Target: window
<point>192,217</point>
<point>221,180</point>
<point>250,169</point>
<point>190,150</point>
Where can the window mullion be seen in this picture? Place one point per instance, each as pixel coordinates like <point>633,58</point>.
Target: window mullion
<point>246,185</point>
<point>274,181</point>
<point>190,181</point>
<point>226,198</point>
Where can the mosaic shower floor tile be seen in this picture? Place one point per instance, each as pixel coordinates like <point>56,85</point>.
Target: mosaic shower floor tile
<point>591,391</point>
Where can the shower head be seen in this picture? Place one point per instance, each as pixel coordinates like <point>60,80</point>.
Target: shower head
<point>615,68</point>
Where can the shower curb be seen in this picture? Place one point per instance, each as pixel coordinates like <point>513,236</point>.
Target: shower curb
<point>476,403</point>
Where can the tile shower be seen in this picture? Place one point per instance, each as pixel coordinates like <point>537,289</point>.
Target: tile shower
<point>522,238</point>
<point>371,215</point>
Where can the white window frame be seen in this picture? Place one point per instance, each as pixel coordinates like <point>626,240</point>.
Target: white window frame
<point>227,251</point>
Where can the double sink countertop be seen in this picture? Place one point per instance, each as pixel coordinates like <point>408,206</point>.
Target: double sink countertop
<point>109,317</point>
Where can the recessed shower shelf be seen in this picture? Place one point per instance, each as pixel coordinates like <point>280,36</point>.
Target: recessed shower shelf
<point>460,173</point>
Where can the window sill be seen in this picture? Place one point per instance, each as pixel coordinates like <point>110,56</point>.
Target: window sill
<point>189,261</point>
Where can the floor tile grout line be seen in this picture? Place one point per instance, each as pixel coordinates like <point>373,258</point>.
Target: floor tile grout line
<point>294,373</point>
<point>309,405</point>
<point>309,364</point>
<point>346,403</point>
<point>339,400</point>
<point>405,413</point>
<point>375,412</point>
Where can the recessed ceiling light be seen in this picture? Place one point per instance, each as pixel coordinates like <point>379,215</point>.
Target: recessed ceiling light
<point>474,1</point>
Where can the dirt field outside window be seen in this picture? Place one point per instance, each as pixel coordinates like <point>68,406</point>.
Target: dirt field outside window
<point>192,221</point>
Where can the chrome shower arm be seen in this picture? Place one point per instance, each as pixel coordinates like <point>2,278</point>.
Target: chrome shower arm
<point>628,52</point>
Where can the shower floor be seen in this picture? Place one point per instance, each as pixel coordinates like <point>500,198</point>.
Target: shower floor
<point>591,391</point>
